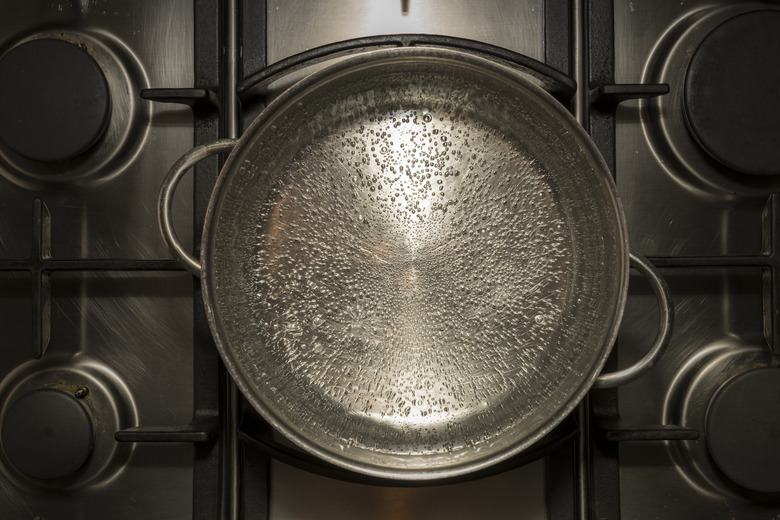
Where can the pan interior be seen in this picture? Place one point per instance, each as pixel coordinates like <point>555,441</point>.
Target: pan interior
<point>416,266</point>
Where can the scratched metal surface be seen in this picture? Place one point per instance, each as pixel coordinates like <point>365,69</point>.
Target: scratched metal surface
<point>300,25</point>
<point>127,336</point>
<point>678,202</point>
<point>295,26</point>
<point>510,495</point>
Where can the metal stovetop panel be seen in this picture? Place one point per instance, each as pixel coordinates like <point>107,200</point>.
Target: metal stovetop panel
<point>295,26</point>
<point>682,205</point>
<point>126,336</point>
<point>326,501</point>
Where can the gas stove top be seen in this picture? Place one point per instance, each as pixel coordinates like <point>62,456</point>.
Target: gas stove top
<point>113,401</point>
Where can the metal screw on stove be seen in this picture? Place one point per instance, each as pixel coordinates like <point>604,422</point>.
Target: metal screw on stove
<point>80,392</point>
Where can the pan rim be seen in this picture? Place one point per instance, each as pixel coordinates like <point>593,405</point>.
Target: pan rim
<point>313,82</point>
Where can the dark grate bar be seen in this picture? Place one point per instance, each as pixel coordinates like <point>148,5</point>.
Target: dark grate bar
<point>601,489</point>
<point>557,83</point>
<point>206,476</point>
<point>557,35</point>
<point>40,266</point>
<point>561,483</point>
<point>712,261</point>
<point>608,97</point>
<point>41,280</point>
<point>660,432</point>
<point>194,432</point>
<point>193,97</point>
<point>768,260</point>
<point>91,264</point>
<point>255,467</point>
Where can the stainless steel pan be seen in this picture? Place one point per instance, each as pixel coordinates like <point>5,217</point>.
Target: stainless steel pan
<point>414,263</point>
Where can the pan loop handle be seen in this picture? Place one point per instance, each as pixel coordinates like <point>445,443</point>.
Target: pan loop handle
<point>164,203</point>
<point>664,298</point>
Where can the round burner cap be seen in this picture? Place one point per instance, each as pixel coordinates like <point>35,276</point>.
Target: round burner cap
<point>47,434</point>
<point>743,429</point>
<point>54,100</point>
<point>731,94</point>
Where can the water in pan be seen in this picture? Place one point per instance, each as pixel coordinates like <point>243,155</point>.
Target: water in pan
<point>421,327</point>
<point>412,282</point>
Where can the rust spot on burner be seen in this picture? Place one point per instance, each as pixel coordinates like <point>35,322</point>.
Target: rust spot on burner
<point>76,390</point>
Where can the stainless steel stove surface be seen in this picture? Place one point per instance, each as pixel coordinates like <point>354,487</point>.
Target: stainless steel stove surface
<point>113,403</point>
<point>122,336</point>
<point>683,201</point>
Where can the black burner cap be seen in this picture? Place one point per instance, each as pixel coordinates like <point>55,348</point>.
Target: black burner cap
<point>54,100</point>
<point>732,89</point>
<point>743,429</point>
<point>47,434</point>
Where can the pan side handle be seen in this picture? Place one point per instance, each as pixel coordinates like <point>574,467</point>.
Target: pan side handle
<point>165,200</point>
<point>664,298</point>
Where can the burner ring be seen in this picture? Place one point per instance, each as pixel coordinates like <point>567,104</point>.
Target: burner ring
<point>127,128</point>
<point>743,429</point>
<point>663,119</point>
<point>730,92</point>
<point>110,406</point>
<point>47,434</point>
<point>693,389</point>
<point>54,100</point>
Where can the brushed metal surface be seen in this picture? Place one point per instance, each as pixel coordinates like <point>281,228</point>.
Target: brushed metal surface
<point>507,496</point>
<point>667,210</point>
<point>295,26</point>
<point>423,284</point>
<point>678,202</point>
<point>718,335</point>
<point>109,212</point>
<point>299,25</point>
<point>126,336</point>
